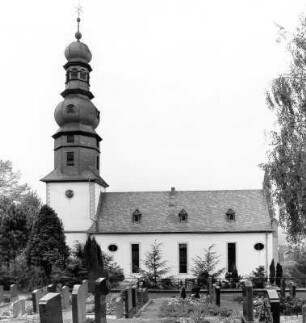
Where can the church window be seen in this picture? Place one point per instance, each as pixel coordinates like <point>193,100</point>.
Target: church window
<point>70,138</point>
<point>230,215</point>
<point>83,75</point>
<point>183,258</point>
<point>136,216</point>
<point>70,108</point>
<point>135,257</point>
<point>112,247</point>
<point>70,158</point>
<point>98,162</point>
<point>183,215</point>
<point>231,257</point>
<point>259,246</point>
<point>74,74</point>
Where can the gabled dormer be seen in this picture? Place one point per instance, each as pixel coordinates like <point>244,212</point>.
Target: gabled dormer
<point>136,216</point>
<point>183,216</point>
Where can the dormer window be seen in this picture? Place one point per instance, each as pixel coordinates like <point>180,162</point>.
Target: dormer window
<point>136,216</point>
<point>230,215</point>
<point>183,215</point>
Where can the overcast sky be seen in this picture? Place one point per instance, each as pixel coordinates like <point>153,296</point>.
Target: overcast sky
<point>180,86</point>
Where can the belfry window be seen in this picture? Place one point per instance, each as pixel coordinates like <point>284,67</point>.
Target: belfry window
<point>183,215</point>
<point>136,216</point>
<point>70,158</point>
<point>83,75</point>
<point>70,138</point>
<point>74,74</point>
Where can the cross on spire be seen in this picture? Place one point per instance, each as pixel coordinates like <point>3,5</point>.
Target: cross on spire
<point>79,10</point>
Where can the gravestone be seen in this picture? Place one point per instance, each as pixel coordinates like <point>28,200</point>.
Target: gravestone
<point>128,304</point>
<point>210,288</point>
<point>213,297</point>
<point>85,286</point>
<point>292,289</point>
<point>140,297</point>
<point>51,288</point>
<point>13,293</point>
<point>37,294</point>
<point>218,295</point>
<point>275,305</point>
<point>304,313</point>
<point>1,294</point>
<point>65,297</point>
<point>102,288</point>
<point>22,305</point>
<point>78,304</point>
<point>16,308</point>
<point>50,308</point>
<point>134,297</point>
<point>145,295</point>
<point>247,294</point>
<point>119,307</point>
<point>283,288</point>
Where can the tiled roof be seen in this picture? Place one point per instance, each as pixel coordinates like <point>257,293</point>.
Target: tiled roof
<point>160,211</point>
<point>57,176</point>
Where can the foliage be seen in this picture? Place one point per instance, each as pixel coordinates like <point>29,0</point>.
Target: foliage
<point>262,309</point>
<point>291,306</point>
<point>191,307</point>
<point>259,277</point>
<point>93,261</point>
<point>272,272</point>
<point>232,278</point>
<point>205,266</point>
<point>14,234</point>
<point>47,244</point>
<point>156,267</point>
<point>285,168</point>
<point>298,270</point>
<point>279,274</point>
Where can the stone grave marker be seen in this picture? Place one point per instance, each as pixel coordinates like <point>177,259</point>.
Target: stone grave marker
<point>78,304</point>
<point>218,295</point>
<point>16,308</point>
<point>1,294</point>
<point>119,307</point>
<point>102,288</point>
<point>210,288</point>
<point>283,288</point>
<point>247,294</point>
<point>140,296</point>
<point>37,294</point>
<point>292,289</point>
<point>13,293</point>
<point>65,297</point>
<point>128,304</point>
<point>134,297</point>
<point>50,308</point>
<point>275,305</point>
<point>85,286</point>
<point>145,295</point>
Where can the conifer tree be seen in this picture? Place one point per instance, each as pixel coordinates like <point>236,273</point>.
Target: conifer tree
<point>279,274</point>
<point>14,234</point>
<point>156,267</point>
<point>47,243</point>
<point>272,272</point>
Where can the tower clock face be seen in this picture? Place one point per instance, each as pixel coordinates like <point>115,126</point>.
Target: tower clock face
<point>69,194</point>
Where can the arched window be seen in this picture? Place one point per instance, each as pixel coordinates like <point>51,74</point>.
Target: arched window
<point>136,216</point>
<point>83,75</point>
<point>183,215</point>
<point>230,215</point>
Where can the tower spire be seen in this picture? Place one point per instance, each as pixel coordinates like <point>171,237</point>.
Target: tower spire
<point>78,34</point>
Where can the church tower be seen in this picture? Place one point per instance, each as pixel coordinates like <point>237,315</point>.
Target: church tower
<point>74,186</point>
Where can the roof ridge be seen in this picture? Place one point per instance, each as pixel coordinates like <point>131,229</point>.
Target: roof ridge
<point>191,191</point>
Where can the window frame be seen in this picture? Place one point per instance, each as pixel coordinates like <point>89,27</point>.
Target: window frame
<point>133,271</point>
<point>179,259</point>
<point>70,161</point>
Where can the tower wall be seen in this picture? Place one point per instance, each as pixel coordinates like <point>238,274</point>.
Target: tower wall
<point>78,212</point>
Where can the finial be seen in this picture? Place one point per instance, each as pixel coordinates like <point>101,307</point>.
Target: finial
<point>78,35</point>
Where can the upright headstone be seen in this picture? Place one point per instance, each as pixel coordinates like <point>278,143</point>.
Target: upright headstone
<point>283,288</point>
<point>36,296</point>
<point>16,308</point>
<point>78,304</point>
<point>145,295</point>
<point>210,288</point>
<point>292,289</point>
<point>140,296</point>
<point>51,288</point>
<point>1,294</point>
<point>128,304</point>
<point>22,306</point>
<point>85,286</point>
<point>247,294</point>
<point>101,290</point>
<point>50,308</point>
<point>134,297</point>
<point>65,297</point>
<point>218,294</point>
<point>119,307</point>
<point>13,293</point>
<point>275,305</point>
<point>304,313</point>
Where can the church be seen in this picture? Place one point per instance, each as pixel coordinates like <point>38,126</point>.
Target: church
<point>126,224</point>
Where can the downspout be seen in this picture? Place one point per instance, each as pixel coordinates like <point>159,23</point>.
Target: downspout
<point>92,219</point>
<point>266,254</point>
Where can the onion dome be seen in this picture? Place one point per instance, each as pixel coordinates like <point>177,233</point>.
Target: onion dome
<point>76,109</point>
<point>78,52</point>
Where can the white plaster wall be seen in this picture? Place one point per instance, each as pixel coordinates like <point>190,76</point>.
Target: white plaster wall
<point>247,258</point>
<point>74,212</point>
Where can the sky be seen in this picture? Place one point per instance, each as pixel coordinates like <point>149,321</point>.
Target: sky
<point>180,86</point>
